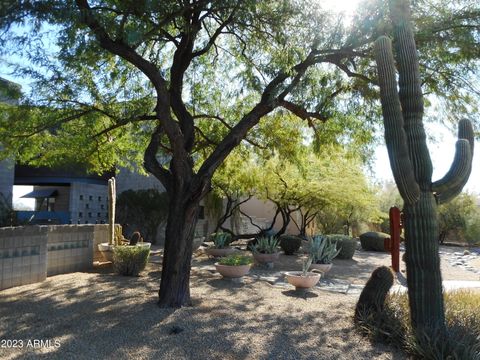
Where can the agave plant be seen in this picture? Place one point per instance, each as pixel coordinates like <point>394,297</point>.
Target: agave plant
<point>322,250</point>
<point>221,240</point>
<point>265,245</point>
<point>306,265</point>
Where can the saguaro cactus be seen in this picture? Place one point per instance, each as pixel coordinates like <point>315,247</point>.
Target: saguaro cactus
<point>112,194</point>
<point>412,168</point>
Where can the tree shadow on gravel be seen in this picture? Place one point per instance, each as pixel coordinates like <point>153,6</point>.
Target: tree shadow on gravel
<point>300,294</point>
<point>102,315</point>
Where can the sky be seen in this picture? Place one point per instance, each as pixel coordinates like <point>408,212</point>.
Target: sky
<point>442,151</point>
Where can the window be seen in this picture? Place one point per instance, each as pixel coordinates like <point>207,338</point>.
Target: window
<point>102,207</point>
<point>87,206</point>
<point>99,215</point>
<point>81,197</point>
<point>80,214</point>
<point>90,198</point>
<point>89,214</point>
<point>99,198</point>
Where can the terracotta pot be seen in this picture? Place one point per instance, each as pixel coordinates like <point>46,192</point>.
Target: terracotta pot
<point>324,268</point>
<point>297,279</point>
<point>266,258</point>
<point>220,252</point>
<point>230,271</point>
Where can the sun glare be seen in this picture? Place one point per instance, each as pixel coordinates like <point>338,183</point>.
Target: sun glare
<point>340,6</point>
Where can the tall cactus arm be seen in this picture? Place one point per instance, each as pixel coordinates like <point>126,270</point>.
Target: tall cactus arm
<point>410,92</point>
<point>395,136</point>
<point>453,182</point>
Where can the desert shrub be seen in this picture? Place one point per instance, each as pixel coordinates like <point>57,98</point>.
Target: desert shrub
<point>130,260</point>
<point>345,243</point>
<point>373,241</point>
<point>235,260</point>
<point>142,210</point>
<point>472,232</point>
<point>290,244</point>
<point>459,220</point>
<point>460,341</point>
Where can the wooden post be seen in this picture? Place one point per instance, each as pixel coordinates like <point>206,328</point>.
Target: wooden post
<point>395,230</point>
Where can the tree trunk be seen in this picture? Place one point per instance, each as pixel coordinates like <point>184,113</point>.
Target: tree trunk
<point>423,265</point>
<point>175,284</point>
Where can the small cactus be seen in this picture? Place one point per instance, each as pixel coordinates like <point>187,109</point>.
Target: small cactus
<point>135,238</point>
<point>372,298</point>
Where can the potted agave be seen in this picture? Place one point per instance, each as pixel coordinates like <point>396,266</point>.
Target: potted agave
<point>220,245</point>
<point>303,279</point>
<point>234,266</point>
<point>265,251</point>
<point>322,251</point>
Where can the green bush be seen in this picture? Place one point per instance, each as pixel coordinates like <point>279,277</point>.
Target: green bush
<point>346,244</point>
<point>460,341</point>
<point>235,260</point>
<point>130,260</point>
<point>290,244</point>
<point>373,241</point>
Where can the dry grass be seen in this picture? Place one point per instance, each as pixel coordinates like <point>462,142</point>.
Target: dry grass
<point>460,341</point>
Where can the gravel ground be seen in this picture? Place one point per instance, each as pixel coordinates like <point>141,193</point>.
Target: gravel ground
<point>101,315</point>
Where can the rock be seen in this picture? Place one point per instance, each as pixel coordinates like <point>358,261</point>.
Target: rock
<point>466,252</point>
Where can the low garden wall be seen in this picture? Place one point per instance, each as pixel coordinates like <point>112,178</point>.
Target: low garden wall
<point>29,254</point>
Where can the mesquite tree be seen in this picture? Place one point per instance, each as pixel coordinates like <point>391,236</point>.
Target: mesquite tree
<point>412,168</point>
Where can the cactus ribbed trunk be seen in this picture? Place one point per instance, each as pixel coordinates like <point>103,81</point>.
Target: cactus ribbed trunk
<point>412,169</point>
<point>423,264</point>
<point>111,211</point>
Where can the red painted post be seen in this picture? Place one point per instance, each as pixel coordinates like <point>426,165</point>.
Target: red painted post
<point>395,230</point>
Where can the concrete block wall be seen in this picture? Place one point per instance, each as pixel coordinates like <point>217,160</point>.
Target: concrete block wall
<point>23,255</point>
<point>29,254</point>
<point>69,249</point>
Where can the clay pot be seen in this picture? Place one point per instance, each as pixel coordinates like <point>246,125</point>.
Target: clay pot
<point>297,279</point>
<point>230,271</point>
<point>220,252</point>
<point>323,268</point>
<point>266,258</point>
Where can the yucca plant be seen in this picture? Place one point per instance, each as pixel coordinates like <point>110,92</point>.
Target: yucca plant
<point>322,250</point>
<point>265,245</point>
